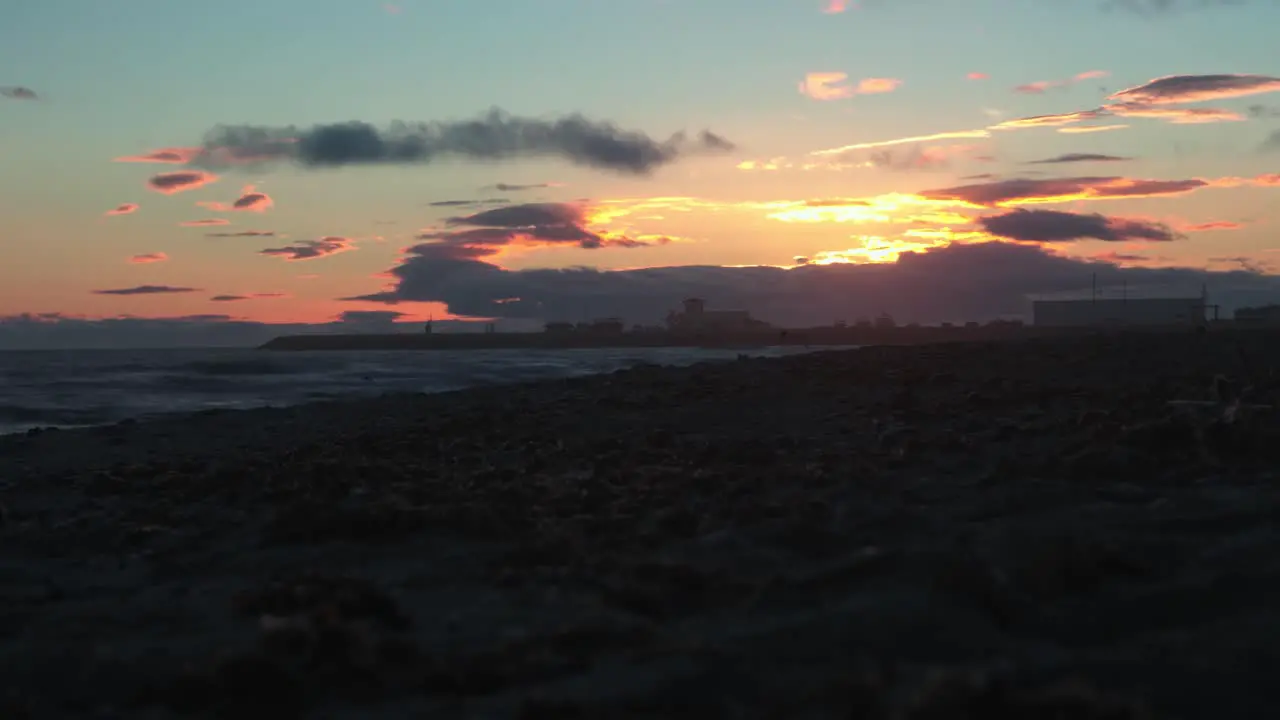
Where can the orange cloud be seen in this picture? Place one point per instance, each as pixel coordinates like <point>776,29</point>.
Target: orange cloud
<point>826,86</point>
<point>873,86</point>
<point>172,156</point>
<point>1179,89</point>
<point>124,209</point>
<point>1177,116</point>
<point>147,258</point>
<point>872,249</point>
<point>880,209</point>
<point>207,222</point>
<point>1268,180</point>
<point>250,200</point>
<point>1091,129</point>
<point>175,182</point>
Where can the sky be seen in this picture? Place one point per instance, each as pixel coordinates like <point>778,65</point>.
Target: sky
<point>193,170</point>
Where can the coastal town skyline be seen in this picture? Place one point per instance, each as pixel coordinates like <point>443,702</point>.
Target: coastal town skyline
<point>519,161</point>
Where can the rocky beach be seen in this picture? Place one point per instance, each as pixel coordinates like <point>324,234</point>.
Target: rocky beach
<point>1044,528</point>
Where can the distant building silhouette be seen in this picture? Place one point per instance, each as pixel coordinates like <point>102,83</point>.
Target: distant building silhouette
<point>695,317</point>
<point>1265,315</point>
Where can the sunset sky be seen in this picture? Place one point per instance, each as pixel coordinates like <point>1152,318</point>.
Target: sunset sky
<point>202,163</point>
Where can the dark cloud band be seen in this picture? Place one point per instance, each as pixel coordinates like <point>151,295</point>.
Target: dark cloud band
<point>491,137</point>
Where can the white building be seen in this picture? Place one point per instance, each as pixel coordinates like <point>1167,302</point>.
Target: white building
<point>1132,308</point>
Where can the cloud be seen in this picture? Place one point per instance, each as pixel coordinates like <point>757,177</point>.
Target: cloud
<point>489,232</point>
<point>1079,157</point>
<point>206,222</point>
<point>250,296</point>
<point>1023,191</point>
<point>1091,129</point>
<point>950,283</point>
<point>1213,225</point>
<point>250,200</point>
<point>170,183</point>
<point>468,203</point>
<point>1176,116</point>
<point>875,86</point>
<point>1153,8</point>
<point>146,290</point>
<point>826,86</point>
<point>1041,86</point>
<point>242,233</point>
<point>917,157</point>
<point>17,92</point>
<point>1178,89</point>
<point>311,249</point>
<point>147,258</point>
<point>835,7</point>
<point>977,76</point>
<point>1263,111</point>
<point>170,156</point>
<point>1048,226</point>
<point>124,209</point>
<point>834,86</point>
<point>1272,142</point>
<point>956,135</point>
<point>378,317</point>
<point>1270,180</point>
<point>513,187</point>
<point>1047,120</point>
<point>491,137</point>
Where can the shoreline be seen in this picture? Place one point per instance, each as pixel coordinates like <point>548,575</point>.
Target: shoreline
<point>530,367</point>
<point>801,536</point>
<point>831,336</point>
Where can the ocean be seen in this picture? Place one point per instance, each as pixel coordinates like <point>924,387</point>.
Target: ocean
<point>75,388</point>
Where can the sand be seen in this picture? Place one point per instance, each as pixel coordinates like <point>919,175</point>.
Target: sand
<point>970,530</point>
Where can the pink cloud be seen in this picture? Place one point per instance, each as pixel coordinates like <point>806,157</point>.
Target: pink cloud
<point>1041,86</point>
<point>171,156</point>
<point>978,76</point>
<point>147,258</point>
<point>124,209</point>
<point>175,182</point>
<point>250,200</point>
<point>835,7</point>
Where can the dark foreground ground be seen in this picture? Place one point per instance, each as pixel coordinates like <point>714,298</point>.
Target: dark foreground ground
<point>1026,530</point>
